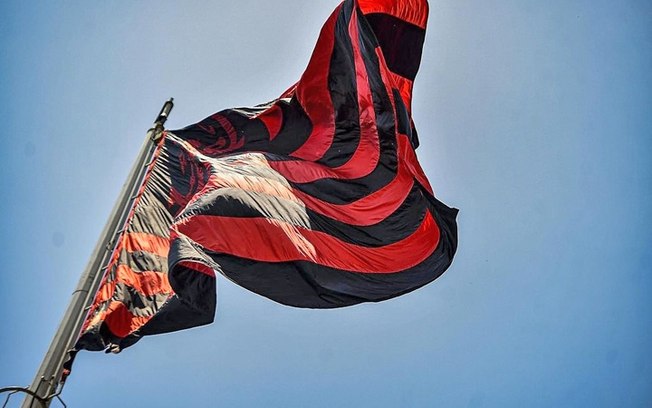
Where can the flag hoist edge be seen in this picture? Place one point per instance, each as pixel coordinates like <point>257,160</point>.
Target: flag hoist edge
<point>313,200</point>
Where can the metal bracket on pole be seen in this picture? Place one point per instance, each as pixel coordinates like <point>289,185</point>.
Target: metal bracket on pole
<point>48,380</point>
<point>156,132</point>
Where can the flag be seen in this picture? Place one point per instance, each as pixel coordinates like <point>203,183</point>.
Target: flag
<point>313,200</point>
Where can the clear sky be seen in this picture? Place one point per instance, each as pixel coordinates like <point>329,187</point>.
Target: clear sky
<point>535,120</point>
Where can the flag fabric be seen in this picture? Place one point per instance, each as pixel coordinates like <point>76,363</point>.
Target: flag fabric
<point>313,200</point>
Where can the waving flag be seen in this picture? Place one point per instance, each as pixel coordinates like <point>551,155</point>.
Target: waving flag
<point>313,200</point>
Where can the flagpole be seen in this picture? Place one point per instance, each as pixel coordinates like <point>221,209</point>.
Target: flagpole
<point>48,379</point>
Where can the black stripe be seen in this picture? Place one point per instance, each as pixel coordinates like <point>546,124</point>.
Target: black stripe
<point>178,175</point>
<point>404,122</point>
<point>140,261</point>
<point>295,128</point>
<point>305,284</point>
<point>230,202</point>
<point>151,216</point>
<point>401,42</point>
<point>344,94</point>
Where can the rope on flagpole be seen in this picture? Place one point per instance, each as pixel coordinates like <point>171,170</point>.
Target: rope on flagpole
<point>14,390</point>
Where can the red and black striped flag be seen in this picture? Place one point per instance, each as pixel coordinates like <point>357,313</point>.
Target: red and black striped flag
<point>313,200</point>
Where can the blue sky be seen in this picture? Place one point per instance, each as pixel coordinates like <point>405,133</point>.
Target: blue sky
<point>535,120</point>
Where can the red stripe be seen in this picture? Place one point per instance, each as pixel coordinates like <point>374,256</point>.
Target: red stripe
<point>412,11</point>
<point>140,241</point>
<point>269,240</point>
<point>289,93</point>
<point>272,117</point>
<point>409,161</point>
<point>148,283</point>
<point>121,321</point>
<point>313,94</point>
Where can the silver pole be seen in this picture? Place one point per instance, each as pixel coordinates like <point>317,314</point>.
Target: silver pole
<point>48,378</point>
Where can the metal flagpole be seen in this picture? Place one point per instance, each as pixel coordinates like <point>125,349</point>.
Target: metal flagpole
<point>48,378</point>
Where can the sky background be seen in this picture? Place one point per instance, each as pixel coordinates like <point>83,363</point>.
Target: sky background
<point>535,120</point>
